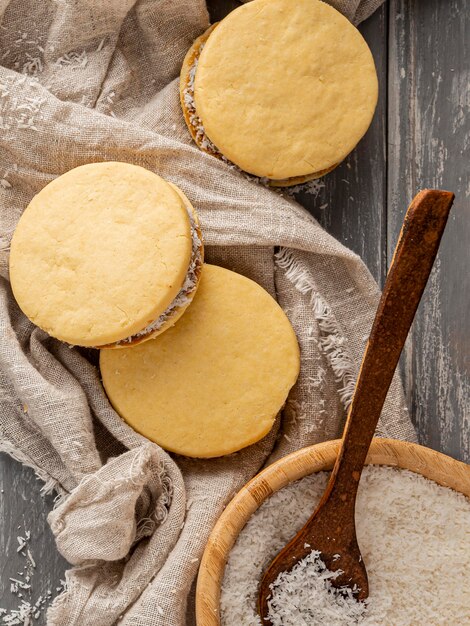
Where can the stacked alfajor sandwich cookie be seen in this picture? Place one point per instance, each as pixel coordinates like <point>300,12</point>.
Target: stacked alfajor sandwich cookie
<point>110,255</point>
<point>107,255</point>
<point>282,89</point>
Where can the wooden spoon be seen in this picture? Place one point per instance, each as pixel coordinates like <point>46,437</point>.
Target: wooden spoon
<point>331,529</point>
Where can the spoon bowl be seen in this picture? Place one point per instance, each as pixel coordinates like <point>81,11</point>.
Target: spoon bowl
<point>433,465</point>
<point>331,529</point>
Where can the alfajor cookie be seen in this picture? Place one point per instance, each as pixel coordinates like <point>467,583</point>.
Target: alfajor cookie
<point>283,89</point>
<point>215,382</point>
<point>106,255</point>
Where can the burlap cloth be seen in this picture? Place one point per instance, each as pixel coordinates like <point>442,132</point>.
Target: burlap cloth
<point>89,80</point>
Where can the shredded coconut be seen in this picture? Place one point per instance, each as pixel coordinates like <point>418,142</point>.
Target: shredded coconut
<point>306,587</point>
<point>414,537</point>
<point>33,65</point>
<point>26,53</point>
<point>27,611</point>
<point>194,119</point>
<point>16,114</point>
<point>73,59</point>
<point>312,188</point>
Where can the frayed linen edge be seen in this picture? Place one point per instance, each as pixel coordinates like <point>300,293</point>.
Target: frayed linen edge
<point>73,587</point>
<point>50,485</point>
<point>332,341</point>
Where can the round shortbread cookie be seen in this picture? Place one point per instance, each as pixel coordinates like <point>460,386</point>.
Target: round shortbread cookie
<point>285,88</point>
<point>194,124</point>
<point>101,253</point>
<point>214,383</point>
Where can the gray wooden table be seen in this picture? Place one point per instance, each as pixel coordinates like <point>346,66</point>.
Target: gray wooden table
<point>420,138</point>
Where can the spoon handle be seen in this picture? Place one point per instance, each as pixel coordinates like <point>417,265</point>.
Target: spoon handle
<point>411,265</point>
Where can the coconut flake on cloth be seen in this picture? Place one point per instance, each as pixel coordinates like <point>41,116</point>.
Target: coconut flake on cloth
<point>133,520</point>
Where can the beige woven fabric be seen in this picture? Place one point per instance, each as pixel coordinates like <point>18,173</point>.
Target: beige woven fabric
<point>85,81</point>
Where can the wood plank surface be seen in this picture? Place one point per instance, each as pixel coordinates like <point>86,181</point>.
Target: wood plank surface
<point>419,138</point>
<point>428,146</point>
<point>22,510</point>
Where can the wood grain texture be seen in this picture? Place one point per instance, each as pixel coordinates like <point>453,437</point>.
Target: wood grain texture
<point>433,465</point>
<point>429,146</point>
<point>22,508</point>
<point>419,137</point>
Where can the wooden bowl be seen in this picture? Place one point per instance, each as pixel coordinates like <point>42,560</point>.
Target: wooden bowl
<point>438,467</point>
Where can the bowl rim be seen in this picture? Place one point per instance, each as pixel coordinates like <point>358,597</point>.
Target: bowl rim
<point>436,466</point>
